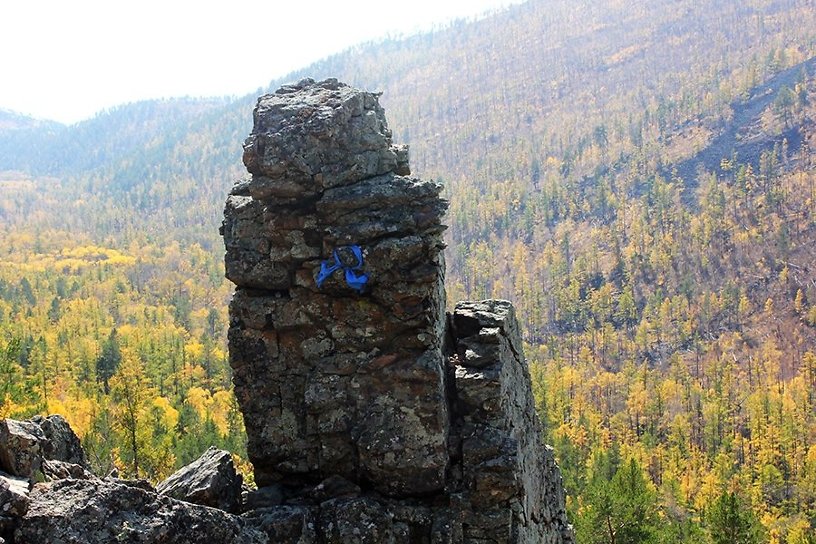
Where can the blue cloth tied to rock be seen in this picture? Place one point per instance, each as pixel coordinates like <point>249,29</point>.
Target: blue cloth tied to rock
<point>355,280</point>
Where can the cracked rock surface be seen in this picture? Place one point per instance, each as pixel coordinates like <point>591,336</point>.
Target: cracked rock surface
<point>332,382</point>
<point>372,416</point>
<point>210,480</point>
<point>105,511</point>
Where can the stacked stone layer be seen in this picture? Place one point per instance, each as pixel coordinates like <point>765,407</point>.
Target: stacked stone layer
<point>510,479</point>
<point>371,416</point>
<point>342,384</point>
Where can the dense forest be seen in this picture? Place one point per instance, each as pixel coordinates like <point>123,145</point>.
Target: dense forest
<point>638,178</point>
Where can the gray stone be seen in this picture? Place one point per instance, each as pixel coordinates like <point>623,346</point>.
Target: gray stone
<point>21,449</point>
<point>310,136</point>
<point>59,470</point>
<point>356,521</point>
<point>62,443</point>
<point>13,496</point>
<point>509,477</point>
<point>332,382</point>
<point>41,449</point>
<point>44,446</point>
<point>371,416</point>
<point>101,512</point>
<point>285,524</point>
<point>210,480</point>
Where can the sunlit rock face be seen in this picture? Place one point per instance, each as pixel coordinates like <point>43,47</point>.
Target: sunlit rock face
<point>334,379</point>
<point>371,415</point>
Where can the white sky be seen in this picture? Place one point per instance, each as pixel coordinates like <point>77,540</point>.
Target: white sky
<point>68,59</point>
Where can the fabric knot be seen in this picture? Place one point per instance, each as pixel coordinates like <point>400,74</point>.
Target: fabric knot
<point>355,278</point>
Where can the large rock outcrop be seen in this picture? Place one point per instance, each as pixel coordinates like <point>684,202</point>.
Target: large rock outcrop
<point>74,506</point>
<point>331,382</point>
<point>104,511</point>
<point>371,415</point>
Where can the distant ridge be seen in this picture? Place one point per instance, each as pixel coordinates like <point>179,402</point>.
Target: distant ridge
<point>11,120</point>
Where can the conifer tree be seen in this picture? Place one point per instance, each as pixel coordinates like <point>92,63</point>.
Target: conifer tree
<point>109,360</point>
<point>731,522</point>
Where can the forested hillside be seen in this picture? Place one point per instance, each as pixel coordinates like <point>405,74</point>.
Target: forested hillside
<point>638,178</point>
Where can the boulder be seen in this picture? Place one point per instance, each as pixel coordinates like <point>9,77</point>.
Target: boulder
<point>210,480</point>
<point>42,445</point>
<point>62,443</point>
<point>40,449</point>
<point>311,136</point>
<point>13,496</point>
<point>21,447</point>
<point>102,512</point>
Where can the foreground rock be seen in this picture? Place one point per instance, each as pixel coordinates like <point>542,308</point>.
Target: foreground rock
<point>76,507</point>
<point>13,496</point>
<point>62,443</point>
<point>506,473</point>
<point>13,504</point>
<point>97,512</point>
<point>371,416</point>
<point>46,446</point>
<point>210,480</point>
<point>34,450</point>
<point>21,447</point>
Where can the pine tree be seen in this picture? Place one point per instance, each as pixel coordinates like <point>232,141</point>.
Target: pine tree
<point>621,506</point>
<point>109,360</point>
<point>730,522</point>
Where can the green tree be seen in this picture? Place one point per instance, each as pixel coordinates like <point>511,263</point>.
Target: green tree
<point>621,508</point>
<point>131,394</point>
<point>730,522</point>
<point>785,100</point>
<point>54,310</point>
<point>109,360</point>
<point>9,374</point>
<point>28,292</point>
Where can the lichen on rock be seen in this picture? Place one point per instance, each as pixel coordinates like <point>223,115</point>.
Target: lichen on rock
<point>371,415</point>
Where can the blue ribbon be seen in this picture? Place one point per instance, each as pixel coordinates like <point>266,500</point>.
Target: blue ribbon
<point>353,279</point>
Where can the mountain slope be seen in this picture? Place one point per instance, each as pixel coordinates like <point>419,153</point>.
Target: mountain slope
<point>504,99</point>
<point>637,177</point>
<point>743,134</point>
<point>11,121</point>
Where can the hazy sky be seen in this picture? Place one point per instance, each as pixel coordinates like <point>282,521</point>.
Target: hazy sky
<point>68,59</point>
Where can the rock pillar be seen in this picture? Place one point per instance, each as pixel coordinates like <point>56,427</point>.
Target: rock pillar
<point>338,378</point>
<point>372,417</point>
